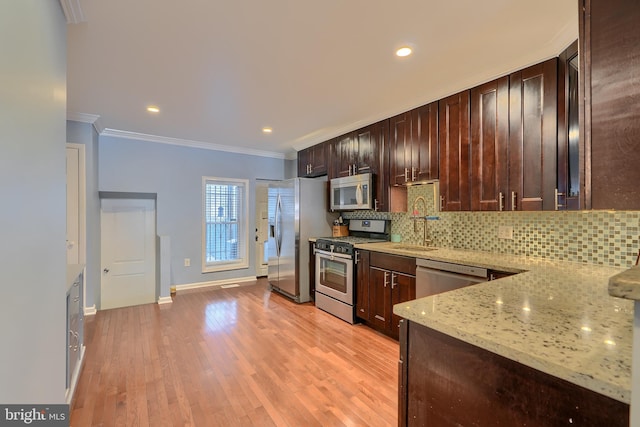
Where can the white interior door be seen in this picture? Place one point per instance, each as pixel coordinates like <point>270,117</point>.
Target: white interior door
<point>128,252</point>
<point>73,205</point>
<point>262,228</point>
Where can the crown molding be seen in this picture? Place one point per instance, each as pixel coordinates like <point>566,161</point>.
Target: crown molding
<point>93,119</point>
<point>72,11</point>
<point>123,134</point>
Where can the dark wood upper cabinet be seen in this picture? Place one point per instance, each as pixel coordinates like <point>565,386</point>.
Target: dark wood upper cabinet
<point>343,157</point>
<point>490,146</point>
<point>366,151</point>
<point>413,145</point>
<point>533,137</point>
<point>313,161</point>
<point>570,150</point>
<point>610,55</point>
<point>454,145</point>
<point>359,151</point>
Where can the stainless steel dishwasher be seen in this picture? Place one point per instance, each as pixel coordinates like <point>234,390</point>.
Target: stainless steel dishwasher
<point>435,277</point>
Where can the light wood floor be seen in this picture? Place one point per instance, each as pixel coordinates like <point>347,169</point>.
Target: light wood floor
<point>234,357</point>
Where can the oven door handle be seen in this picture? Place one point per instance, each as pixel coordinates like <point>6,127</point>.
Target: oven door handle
<point>331,255</point>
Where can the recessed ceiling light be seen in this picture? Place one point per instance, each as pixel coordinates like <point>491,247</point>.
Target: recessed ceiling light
<point>267,130</point>
<point>153,109</point>
<point>403,51</point>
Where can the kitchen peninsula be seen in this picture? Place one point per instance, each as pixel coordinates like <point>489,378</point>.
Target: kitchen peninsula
<point>541,337</point>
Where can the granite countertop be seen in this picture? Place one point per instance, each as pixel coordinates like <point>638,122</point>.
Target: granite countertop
<point>626,284</point>
<point>555,316</point>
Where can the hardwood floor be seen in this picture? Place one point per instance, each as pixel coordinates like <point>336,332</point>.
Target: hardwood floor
<point>239,356</point>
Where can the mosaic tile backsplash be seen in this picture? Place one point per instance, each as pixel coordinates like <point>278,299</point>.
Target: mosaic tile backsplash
<point>595,237</point>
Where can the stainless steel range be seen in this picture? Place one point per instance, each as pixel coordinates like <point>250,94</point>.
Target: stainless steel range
<point>335,266</point>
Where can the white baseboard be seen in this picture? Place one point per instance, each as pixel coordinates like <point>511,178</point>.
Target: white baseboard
<point>90,311</point>
<point>165,300</point>
<point>214,283</point>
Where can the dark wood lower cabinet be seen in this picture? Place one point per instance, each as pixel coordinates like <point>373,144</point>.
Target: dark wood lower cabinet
<point>446,382</point>
<point>383,281</point>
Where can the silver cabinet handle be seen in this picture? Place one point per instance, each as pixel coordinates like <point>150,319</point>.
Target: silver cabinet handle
<point>349,170</point>
<point>406,174</point>
<point>375,204</point>
<point>556,197</point>
<point>357,257</point>
<point>514,199</point>
<point>413,174</point>
<point>386,275</point>
<point>393,280</point>
<point>379,317</point>
<point>355,169</point>
<point>501,202</point>
<point>441,203</point>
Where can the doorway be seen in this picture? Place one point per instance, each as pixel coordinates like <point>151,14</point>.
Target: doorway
<point>128,252</point>
<point>75,165</point>
<point>262,224</point>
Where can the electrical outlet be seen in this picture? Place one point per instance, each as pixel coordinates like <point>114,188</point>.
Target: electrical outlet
<point>187,262</point>
<point>505,232</point>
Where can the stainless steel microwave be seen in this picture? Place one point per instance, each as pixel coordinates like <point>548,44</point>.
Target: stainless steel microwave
<point>352,192</point>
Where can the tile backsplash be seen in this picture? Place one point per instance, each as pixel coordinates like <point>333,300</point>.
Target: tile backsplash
<point>595,237</point>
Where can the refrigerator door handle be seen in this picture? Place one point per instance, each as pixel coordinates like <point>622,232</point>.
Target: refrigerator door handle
<point>278,225</point>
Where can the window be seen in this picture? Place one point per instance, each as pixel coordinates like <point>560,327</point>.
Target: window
<point>225,241</point>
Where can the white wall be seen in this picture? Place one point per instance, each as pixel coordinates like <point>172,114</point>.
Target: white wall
<point>175,174</point>
<point>32,196</point>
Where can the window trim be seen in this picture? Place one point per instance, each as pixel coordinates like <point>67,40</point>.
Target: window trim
<point>243,261</point>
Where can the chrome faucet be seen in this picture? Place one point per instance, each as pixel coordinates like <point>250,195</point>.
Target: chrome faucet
<point>416,216</point>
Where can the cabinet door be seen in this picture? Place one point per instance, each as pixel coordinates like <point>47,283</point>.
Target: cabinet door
<point>380,299</point>
<point>372,159</point>
<point>570,148</point>
<point>343,160</point>
<point>490,145</point>
<point>403,288</point>
<point>303,162</point>
<point>454,152</point>
<point>400,148</point>
<point>612,96</point>
<point>424,143</point>
<point>318,160</point>
<point>362,284</point>
<point>532,137</point>
<point>365,146</point>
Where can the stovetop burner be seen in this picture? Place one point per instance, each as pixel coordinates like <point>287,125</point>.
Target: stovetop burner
<point>362,231</point>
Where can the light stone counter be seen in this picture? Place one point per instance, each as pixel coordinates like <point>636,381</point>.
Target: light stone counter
<point>626,284</point>
<point>555,316</point>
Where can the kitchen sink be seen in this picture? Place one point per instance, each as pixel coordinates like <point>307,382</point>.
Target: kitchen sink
<point>413,248</point>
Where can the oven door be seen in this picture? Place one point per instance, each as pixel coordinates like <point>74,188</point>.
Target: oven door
<point>334,275</point>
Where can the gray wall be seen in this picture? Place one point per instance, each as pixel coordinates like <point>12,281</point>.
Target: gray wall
<point>290,168</point>
<point>175,174</point>
<point>85,133</point>
<point>33,215</point>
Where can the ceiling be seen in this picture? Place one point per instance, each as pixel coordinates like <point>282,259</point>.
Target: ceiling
<point>220,71</point>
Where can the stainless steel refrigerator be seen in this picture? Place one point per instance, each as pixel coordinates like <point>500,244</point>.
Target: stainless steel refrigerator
<point>297,211</point>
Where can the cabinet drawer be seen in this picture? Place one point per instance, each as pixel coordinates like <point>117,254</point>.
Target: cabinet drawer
<point>401,264</point>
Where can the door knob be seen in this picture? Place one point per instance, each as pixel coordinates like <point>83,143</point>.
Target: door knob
<point>106,270</point>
